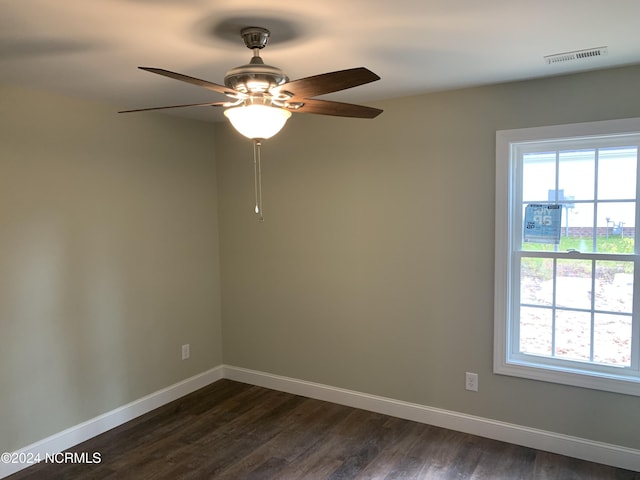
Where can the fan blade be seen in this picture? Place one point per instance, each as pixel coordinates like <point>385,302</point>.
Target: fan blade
<point>338,109</point>
<point>192,80</point>
<point>209,104</point>
<point>327,83</point>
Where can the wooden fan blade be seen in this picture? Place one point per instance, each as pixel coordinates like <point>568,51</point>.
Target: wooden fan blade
<point>209,104</point>
<point>338,109</point>
<point>192,80</point>
<point>327,83</point>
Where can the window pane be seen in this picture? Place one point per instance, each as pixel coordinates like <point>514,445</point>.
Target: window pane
<point>573,284</point>
<point>612,339</point>
<point>536,281</point>
<point>577,174</point>
<point>576,233</point>
<point>616,227</point>
<point>578,228</point>
<point>614,286</point>
<point>573,335</point>
<point>535,331</point>
<point>617,173</point>
<point>539,176</point>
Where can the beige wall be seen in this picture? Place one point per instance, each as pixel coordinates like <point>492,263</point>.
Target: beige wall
<point>108,259</point>
<point>373,270</point>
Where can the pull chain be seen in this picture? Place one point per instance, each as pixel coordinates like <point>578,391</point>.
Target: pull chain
<point>257,178</point>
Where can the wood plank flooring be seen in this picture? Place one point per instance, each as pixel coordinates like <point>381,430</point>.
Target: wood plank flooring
<point>229,430</point>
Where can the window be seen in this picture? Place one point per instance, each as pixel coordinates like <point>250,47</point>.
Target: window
<point>567,263</point>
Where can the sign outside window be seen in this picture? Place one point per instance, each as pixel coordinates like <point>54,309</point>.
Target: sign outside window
<point>542,223</point>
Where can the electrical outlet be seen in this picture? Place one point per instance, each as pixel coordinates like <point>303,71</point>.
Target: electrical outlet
<point>471,381</point>
<point>185,351</point>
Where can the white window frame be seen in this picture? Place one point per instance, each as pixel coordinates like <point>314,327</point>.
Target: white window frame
<point>506,361</point>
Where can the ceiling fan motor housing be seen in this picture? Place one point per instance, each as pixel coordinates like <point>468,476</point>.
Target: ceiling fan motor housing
<point>255,77</point>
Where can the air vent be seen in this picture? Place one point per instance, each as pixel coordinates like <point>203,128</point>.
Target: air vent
<point>577,55</point>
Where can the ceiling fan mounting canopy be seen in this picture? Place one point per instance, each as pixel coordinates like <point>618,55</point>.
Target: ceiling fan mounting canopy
<point>255,37</point>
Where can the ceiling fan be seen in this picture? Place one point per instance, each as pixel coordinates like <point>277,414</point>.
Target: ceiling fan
<point>262,98</point>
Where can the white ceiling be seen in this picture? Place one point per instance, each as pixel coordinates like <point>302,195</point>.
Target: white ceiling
<point>91,48</point>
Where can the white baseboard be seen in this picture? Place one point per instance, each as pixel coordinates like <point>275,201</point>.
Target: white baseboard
<point>608,454</point>
<point>79,433</point>
<point>576,447</point>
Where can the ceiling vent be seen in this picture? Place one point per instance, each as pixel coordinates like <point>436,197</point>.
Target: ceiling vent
<point>577,55</point>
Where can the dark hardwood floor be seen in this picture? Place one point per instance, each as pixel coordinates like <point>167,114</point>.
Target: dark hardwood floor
<point>234,431</point>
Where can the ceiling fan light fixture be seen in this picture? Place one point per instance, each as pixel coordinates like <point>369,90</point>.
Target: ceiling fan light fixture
<point>257,122</point>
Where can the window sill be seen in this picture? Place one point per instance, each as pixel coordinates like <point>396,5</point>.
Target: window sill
<point>626,384</point>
